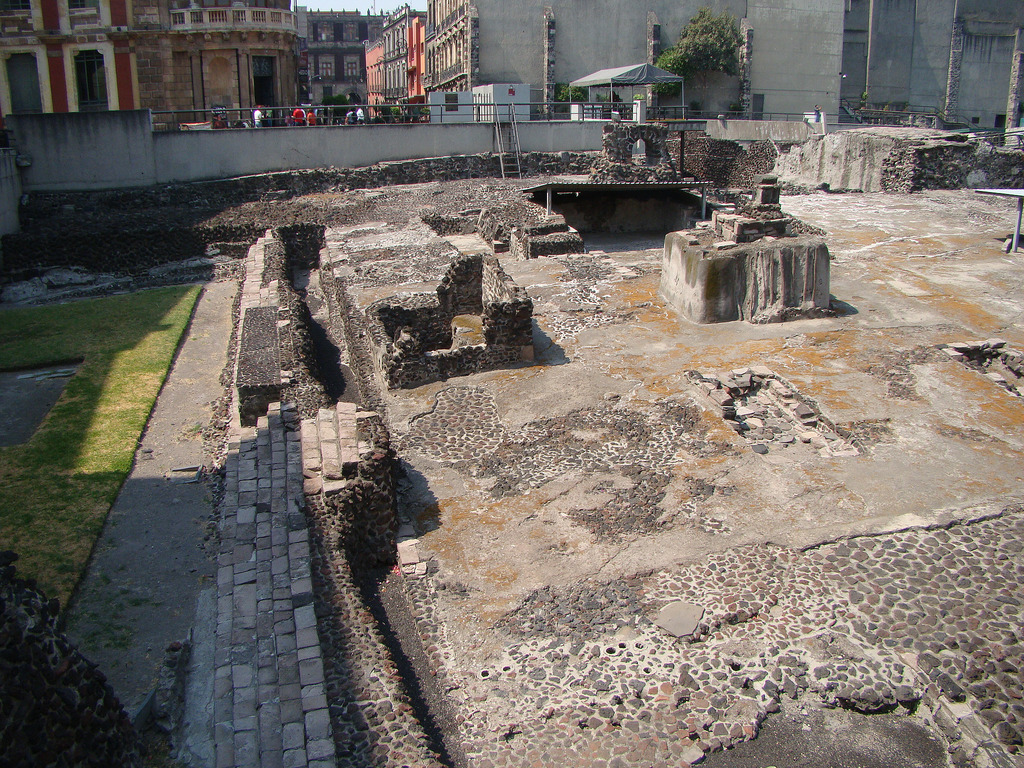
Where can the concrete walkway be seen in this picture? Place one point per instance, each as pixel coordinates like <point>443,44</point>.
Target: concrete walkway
<point>150,563</point>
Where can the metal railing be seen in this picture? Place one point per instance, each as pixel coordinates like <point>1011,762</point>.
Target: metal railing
<point>394,112</point>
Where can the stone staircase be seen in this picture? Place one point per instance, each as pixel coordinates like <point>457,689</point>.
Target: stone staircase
<point>331,448</point>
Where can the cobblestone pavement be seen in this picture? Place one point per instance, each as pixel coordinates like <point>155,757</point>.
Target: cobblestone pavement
<point>580,500</point>
<point>871,624</point>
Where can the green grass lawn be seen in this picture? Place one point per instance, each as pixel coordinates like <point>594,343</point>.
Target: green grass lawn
<point>56,489</point>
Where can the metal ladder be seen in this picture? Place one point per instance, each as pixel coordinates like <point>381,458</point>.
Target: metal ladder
<point>512,165</point>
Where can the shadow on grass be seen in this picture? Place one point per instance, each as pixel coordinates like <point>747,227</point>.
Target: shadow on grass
<point>60,484</point>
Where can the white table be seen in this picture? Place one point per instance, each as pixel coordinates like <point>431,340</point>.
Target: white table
<point>1019,195</point>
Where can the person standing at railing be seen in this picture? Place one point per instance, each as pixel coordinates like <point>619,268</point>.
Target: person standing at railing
<point>298,116</point>
<point>310,116</point>
<point>257,117</point>
<point>360,116</point>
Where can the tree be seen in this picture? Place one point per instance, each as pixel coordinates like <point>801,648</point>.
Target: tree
<point>566,92</point>
<point>707,44</point>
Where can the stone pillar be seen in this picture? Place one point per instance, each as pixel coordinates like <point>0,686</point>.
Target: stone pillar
<point>746,54</point>
<point>549,55</point>
<point>653,48</point>
<point>956,55</point>
<point>473,30</point>
<point>1016,92</point>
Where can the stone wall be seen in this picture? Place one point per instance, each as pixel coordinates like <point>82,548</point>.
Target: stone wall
<point>617,162</point>
<point>900,160</point>
<point>365,511</point>
<point>58,229</point>
<point>723,162</point>
<point>411,334</point>
<point>56,708</point>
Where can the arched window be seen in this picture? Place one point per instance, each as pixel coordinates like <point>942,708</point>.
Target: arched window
<point>91,78</point>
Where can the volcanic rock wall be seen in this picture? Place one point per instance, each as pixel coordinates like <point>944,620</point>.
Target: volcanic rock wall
<point>56,708</point>
<point>412,336</point>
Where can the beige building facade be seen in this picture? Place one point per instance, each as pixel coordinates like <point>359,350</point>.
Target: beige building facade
<point>794,61</point>
<point>193,57</point>
<point>166,55</point>
<point>964,57</point>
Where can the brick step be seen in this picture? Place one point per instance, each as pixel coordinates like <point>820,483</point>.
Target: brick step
<point>331,448</point>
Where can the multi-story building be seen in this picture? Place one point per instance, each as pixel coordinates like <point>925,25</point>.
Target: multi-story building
<point>200,54</point>
<point>66,56</point>
<point>400,37</point>
<point>955,55</point>
<point>416,63</point>
<point>335,51</point>
<point>79,55</point>
<point>375,72</point>
<point>962,58</point>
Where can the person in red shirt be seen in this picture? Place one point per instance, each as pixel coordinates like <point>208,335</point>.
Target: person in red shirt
<point>298,116</point>
<point>310,117</point>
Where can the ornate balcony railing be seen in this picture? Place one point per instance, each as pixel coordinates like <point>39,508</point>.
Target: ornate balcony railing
<point>220,19</point>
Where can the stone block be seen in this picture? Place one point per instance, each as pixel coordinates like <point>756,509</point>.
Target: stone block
<point>763,281</point>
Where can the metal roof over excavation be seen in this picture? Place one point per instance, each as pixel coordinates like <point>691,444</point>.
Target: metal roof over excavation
<point>552,188</point>
<point>616,186</point>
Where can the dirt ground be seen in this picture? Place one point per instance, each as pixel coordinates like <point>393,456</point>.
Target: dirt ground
<point>602,465</point>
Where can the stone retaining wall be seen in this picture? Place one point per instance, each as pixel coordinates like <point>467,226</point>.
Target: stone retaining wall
<point>725,163</point>
<point>900,160</point>
<point>412,335</point>
<point>366,507</point>
<point>56,707</point>
<point>78,243</point>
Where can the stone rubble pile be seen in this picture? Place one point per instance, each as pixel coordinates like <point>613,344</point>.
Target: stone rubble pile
<point>998,362</point>
<point>769,412</point>
<point>56,707</point>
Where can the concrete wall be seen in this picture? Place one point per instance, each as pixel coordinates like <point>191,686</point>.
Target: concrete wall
<point>85,150</point>
<point>80,152</point>
<point>759,130</point>
<point>10,193</point>
<point>930,67</point>
<point>985,77</point>
<point>798,53</point>
<point>910,52</point>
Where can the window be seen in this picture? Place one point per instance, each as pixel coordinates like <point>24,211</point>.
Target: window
<point>351,31</point>
<point>91,79</point>
<point>83,4</point>
<point>326,67</point>
<point>15,5</point>
<point>351,67</point>
<point>23,79</point>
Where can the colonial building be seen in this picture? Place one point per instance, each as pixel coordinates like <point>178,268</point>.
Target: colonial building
<point>402,55</point>
<point>334,46</point>
<point>375,72</point>
<point>200,54</point>
<point>78,55</point>
<point>66,56</point>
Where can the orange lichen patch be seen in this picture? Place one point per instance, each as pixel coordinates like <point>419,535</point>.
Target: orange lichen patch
<point>985,403</point>
<point>964,312</point>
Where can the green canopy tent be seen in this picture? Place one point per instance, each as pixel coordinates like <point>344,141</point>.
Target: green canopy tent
<point>631,75</point>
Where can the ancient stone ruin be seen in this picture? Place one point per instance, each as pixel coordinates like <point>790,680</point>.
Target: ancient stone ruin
<point>478,319</point>
<point>56,707</point>
<point>617,163</point>
<point>746,266</point>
